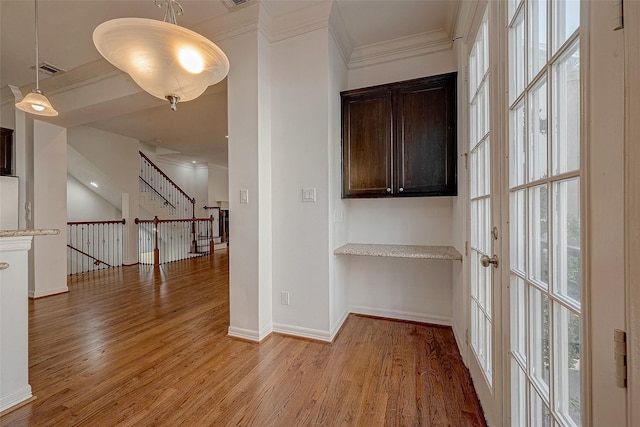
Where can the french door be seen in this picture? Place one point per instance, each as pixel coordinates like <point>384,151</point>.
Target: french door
<point>545,291</point>
<point>485,296</point>
<point>524,161</point>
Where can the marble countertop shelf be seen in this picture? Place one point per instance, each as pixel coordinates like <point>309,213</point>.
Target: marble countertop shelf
<point>400,251</point>
<point>36,232</point>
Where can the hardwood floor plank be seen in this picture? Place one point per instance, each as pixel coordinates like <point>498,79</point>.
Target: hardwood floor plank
<point>135,346</point>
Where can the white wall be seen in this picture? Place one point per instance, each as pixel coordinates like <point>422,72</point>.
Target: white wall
<point>182,174</point>
<point>7,115</point>
<point>83,204</point>
<point>404,69</point>
<point>49,209</point>
<point>418,221</point>
<point>265,193</point>
<point>300,160</point>
<point>117,157</point>
<point>460,293</point>
<point>245,283</point>
<point>218,185</point>
<point>338,287</point>
<point>201,191</point>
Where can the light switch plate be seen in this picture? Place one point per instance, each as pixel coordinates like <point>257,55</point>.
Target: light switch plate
<point>244,196</point>
<point>308,194</point>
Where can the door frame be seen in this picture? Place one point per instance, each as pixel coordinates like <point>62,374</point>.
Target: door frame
<point>495,414</point>
<point>632,206</point>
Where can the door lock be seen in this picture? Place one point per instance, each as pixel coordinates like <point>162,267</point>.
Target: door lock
<point>485,261</point>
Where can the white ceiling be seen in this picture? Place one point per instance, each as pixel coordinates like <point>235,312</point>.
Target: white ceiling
<point>197,130</point>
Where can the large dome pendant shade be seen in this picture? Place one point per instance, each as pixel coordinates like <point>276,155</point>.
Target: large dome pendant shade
<point>166,60</point>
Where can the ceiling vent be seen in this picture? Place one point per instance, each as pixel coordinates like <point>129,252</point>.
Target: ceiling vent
<point>233,5</point>
<point>49,69</point>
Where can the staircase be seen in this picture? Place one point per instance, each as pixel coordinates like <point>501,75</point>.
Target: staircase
<point>174,233</point>
<point>160,196</point>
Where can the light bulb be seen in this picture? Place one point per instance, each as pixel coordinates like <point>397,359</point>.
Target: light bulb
<point>37,107</point>
<point>191,60</point>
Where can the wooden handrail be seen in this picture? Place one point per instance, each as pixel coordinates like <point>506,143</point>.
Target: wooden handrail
<point>121,221</point>
<point>96,261</point>
<point>157,221</point>
<point>193,200</point>
<point>166,202</point>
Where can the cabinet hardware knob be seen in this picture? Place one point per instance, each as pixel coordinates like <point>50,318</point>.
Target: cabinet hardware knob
<point>388,189</point>
<point>401,189</point>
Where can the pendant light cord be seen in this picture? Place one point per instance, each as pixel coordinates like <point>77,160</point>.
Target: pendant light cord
<point>37,56</point>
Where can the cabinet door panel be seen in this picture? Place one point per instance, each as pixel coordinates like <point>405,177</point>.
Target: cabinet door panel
<point>367,146</point>
<point>426,143</point>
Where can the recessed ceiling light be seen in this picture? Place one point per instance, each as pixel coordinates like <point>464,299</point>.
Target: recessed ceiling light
<point>94,184</point>
<point>193,161</point>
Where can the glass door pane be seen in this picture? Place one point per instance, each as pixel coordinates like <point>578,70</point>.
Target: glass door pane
<point>481,207</point>
<point>544,212</point>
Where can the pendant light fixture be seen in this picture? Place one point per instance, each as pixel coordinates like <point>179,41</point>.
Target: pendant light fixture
<point>35,102</point>
<point>168,61</point>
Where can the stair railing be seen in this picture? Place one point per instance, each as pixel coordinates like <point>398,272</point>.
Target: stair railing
<point>166,240</point>
<point>94,245</point>
<point>160,187</point>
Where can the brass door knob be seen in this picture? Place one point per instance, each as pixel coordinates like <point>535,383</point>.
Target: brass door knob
<point>485,261</point>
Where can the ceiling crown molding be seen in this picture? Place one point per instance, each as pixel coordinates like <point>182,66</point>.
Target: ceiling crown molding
<point>297,21</point>
<point>338,29</point>
<point>401,48</point>
<point>231,24</point>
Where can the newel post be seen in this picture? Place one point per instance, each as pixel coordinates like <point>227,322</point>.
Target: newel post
<point>156,249</point>
<point>194,243</point>
<point>223,221</point>
<point>211,243</point>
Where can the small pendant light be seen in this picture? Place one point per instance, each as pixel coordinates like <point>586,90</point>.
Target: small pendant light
<point>35,102</point>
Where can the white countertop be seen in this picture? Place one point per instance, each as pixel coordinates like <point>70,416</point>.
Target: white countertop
<point>36,232</point>
<point>400,251</point>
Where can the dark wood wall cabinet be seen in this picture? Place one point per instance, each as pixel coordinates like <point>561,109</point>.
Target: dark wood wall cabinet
<point>399,139</point>
<point>6,151</point>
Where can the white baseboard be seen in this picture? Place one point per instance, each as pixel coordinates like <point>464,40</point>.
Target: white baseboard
<point>245,334</point>
<point>265,332</point>
<point>402,315</point>
<point>249,334</point>
<point>319,335</point>
<point>461,341</point>
<point>15,398</point>
<point>325,336</point>
<point>49,292</point>
<point>338,325</point>
<point>297,331</point>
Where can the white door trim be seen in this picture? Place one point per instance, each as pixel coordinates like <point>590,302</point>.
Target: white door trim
<point>632,206</point>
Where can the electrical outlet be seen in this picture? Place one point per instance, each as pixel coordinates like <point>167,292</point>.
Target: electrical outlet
<point>284,298</point>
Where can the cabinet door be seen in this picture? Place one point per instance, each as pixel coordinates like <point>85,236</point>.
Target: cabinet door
<point>426,137</point>
<point>367,156</point>
<point>6,151</point>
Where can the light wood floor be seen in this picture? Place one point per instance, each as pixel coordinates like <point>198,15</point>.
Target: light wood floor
<point>131,346</point>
